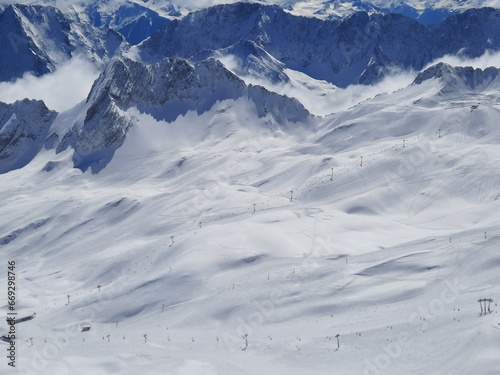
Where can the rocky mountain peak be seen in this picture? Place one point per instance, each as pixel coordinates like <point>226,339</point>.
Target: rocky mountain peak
<point>456,78</point>
<point>23,129</point>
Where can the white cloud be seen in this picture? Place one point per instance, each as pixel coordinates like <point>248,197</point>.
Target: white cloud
<point>492,3</point>
<point>61,90</point>
<point>323,98</point>
<point>342,99</point>
<point>398,79</point>
<point>482,62</point>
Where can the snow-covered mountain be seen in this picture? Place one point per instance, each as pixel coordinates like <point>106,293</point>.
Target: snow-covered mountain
<point>165,91</point>
<point>456,80</point>
<point>37,39</point>
<point>247,58</point>
<point>23,130</point>
<point>426,11</point>
<point>361,48</point>
<point>229,199</point>
<point>164,255</point>
<point>134,21</point>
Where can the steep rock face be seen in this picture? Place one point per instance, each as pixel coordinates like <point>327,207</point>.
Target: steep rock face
<point>457,79</point>
<point>339,52</point>
<point>23,128</point>
<point>359,49</point>
<point>133,21</point>
<point>247,58</point>
<point>471,33</point>
<point>36,39</point>
<point>399,42</point>
<point>165,90</point>
<point>33,39</point>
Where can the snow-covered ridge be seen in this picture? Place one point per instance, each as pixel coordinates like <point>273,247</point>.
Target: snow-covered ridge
<point>425,11</point>
<point>248,58</point>
<point>165,90</point>
<point>457,79</point>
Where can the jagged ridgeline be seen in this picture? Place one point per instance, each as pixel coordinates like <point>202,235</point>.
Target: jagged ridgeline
<point>23,129</point>
<point>178,68</point>
<point>165,90</point>
<point>358,49</point>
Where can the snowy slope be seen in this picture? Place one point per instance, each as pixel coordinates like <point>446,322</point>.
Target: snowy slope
<point>391,251</point>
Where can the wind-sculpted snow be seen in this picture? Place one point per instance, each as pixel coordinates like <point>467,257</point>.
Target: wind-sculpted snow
<point>23,128</point>
<point>165,90</point>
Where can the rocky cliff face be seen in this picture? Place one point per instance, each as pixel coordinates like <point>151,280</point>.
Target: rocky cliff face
<point>23,130</point>
<point>135,22</point>
<point>247,58</point>
<point>36,39</point>
<point>470,34</point>
<point>457,79</point>
<point>359,49</point>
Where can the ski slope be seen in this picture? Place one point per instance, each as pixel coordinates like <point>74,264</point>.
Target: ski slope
<point>378,223</point>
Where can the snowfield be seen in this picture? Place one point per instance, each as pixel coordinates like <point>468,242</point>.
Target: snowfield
<point>378,223</point>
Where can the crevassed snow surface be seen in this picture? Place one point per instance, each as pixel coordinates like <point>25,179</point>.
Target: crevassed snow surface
<point>378,224</point>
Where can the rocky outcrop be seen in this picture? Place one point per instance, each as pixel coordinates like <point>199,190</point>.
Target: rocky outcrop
<point>23,130</point>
